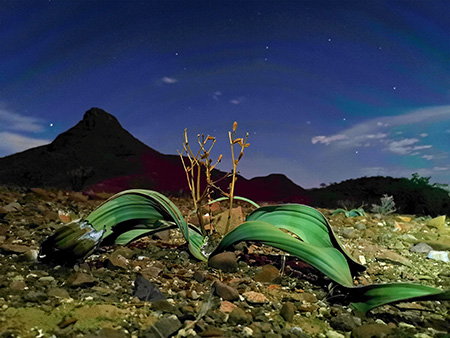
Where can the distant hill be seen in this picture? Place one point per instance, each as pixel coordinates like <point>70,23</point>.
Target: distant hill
<point>410,197</point>
<point>98,154</point>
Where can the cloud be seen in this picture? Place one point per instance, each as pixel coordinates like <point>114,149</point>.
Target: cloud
<point>11,143</point>
<point>169,80</point>
<point>216,95</point>
<point>404,146</point>
<point>234,101</point>
<point>428,157</point>
<point>327,140</point>
<point>374,136</point>
<point>384,132</point>
<point>17,122</point>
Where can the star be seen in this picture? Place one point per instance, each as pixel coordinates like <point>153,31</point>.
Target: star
<point>51,124</point>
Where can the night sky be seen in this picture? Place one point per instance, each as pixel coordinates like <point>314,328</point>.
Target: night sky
<point>327,90</point>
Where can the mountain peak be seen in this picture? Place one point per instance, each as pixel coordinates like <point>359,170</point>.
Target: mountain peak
<point>98,118</point>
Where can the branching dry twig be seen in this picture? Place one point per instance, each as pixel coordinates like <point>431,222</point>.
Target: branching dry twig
<point>201,162</point>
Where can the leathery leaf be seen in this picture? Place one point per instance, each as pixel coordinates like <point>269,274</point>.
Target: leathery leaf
<point>328,260</point>
<point>365,298</point>
<point>308,224</point>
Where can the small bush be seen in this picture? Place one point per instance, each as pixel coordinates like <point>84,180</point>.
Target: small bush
<point>387,205</point>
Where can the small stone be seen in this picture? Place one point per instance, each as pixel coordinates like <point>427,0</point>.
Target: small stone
<point>164,306</point>
<point>421,247</point>
<point>248,332</point>
<point>227,306</point>
<point>371,330</point>
<point>58,293</point>
<point>255,297</point>
<point>349,233</point>
<point>14,248</point>
<point>151,272</point>
<point>80,279</point>
<point>307,297</point>
<point>225,291</point>
<point>392,257</point>
<point>212,332</point>
<point>199,276</point>
<point>78,197</point>
<point>343,322</point>
<point>438,255</point>
<point>146,291</point>
<point>46,279</point>
<point>239,316</point>
<point>12,207</point>
<point>29,256</point>
<point>17,285</point>
<point>124,251</point>
<point>360,226</point>
<point>225,261</point>
<point>287,311</point>
<point>268,274</point>
<point>437,222</point>
<point>163,328</point>
<point>117,262</point>
<point>334,334</point>
<point>35,297</point>
<point>162,235</point>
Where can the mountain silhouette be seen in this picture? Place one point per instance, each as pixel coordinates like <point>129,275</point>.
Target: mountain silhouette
<point>98,154</point>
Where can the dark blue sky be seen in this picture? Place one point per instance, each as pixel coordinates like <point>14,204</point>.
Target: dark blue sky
<point>328,90</point>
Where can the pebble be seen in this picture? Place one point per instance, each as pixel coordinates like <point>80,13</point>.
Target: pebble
<point>58,292</point>
<point>348,233</point>
<point>255,297</point>
<point>287,311</point>
<point>227,306</point>
<point>343,322</point>
<point>239,316</point>
<point>334,334</point>
<point>17,285</point>
<point>225,261</point>
<point>163,328</point>
<point>80,279</point>
<point>360,226</point>
<point>371,330</point>
<point>438,255</point>
<point>225,291</point>
<point>117,262</point>
<point>146,291</point>
<point>268,274</point>
<point>421,247</point>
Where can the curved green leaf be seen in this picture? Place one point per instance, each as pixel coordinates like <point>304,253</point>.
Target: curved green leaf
<point>325,259</point>
<point>136,204</point>
<point>365,298</point>
<point>307,223</point>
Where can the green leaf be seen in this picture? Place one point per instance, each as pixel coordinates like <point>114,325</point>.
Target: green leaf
<point>136,204</point>
<point>328,260</point>
<point>256,205</point>
<point>307,223</point>
<point>368,297</point>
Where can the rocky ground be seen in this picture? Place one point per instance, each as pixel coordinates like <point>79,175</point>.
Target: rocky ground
<point>154,288</point>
